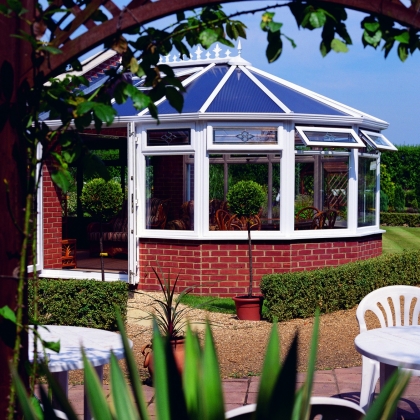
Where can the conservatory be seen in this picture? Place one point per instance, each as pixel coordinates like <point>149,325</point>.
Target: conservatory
<point>316,159</point>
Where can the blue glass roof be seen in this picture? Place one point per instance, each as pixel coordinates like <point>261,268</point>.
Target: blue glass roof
<point>197,91</point>
<point>297,102</point>
<point>241,94</point>
<point>126,109</point>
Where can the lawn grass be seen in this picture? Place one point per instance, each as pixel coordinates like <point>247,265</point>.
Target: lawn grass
<point>211,304</point>
<point>398,238</point>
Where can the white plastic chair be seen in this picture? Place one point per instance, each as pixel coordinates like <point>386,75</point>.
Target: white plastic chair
<point>328,407</point>
<point>370,368</point>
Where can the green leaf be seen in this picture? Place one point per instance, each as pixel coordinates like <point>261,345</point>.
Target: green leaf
<point>24,400</point>
<point>374,39</point>
<point>338,46</point>
<point>318,18</point>
<point>175,98</point>
<point>371,26</point>
<point>212,397</point>
<point>274,49</point>
<point>134,65</point>
<point>95,394</point>
<point>84,107</point>
<point>275,26</point>
<point>15,6</point>
<point>3,9</point>
<point>51,50</point>
<point>39,412</point>
<point>270,371</point>
<point>52,345</point>
<point>133,372</point>
<point>120,392</point>
<point>208,37</point>
<point>403,38</point>
<point>7,313</point>
<point>402,52</point>
<point>104,112</point>
<point>99,16</point>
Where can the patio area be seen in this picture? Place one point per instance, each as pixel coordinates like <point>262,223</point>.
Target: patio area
<point>341,383</point>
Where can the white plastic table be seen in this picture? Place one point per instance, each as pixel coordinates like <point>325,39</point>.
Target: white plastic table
<point>392,347</point>
<point>97,345</point>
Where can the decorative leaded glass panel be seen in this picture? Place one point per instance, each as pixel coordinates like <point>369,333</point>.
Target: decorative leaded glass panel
<point>180,137</point>
<point>251,135</point>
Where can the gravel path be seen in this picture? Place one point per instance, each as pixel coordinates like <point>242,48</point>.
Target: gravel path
<point>241,344</point>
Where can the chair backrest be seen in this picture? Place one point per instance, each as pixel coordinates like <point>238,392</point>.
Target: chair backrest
<point>222,219</point>
<point>389,298</point>
<point>318,220</point>
<point>328,407</point>
<point>307,213</point>
<point>331,408</point>
<point>330,216</point>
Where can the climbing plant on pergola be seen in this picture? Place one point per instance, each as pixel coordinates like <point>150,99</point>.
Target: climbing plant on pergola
<point>26,64</point>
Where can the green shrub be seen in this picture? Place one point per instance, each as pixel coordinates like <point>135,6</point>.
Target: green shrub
<point>384,202</point>
<point>298,294</point>
<point>102,198</point>
<point>83,303</point>
<point>399,199</point>
<point>400,219</point>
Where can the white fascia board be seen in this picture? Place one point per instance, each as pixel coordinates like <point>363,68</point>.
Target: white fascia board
<point>273,97</point>
<point>340,106</point>
<point>81,275</point>
<point>185,83</point>
<point>216,90</point>
<point>192,62</point>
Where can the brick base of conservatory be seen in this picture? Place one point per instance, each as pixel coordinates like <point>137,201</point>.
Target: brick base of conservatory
<point>221,269</point>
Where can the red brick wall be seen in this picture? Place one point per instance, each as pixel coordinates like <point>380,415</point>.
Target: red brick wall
<point>221,269</point>
<point>52,220</point>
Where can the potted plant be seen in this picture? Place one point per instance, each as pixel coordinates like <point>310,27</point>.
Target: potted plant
<point>170,320</point>
<point>102,199</point>
<point>245,199</point>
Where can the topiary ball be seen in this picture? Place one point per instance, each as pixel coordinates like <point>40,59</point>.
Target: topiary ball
<point>245,198</point>
<point>102,198</point>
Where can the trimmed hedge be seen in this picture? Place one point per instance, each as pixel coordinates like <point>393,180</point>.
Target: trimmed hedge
<point>400,219</point>
<point>83,303</point>
<point>298,294</point>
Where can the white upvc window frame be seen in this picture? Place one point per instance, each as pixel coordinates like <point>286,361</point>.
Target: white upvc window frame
<point>142,231</point>
<point>367,135</point>
<point>320,129</point>
<point>244,147</point>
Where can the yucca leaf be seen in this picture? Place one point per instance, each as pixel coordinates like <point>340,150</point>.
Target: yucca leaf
<point>123,404</point>
<point>385,405</point>
<point>133,372</point>
<point>160,379</point>
<point>271,369</point>
<point>95,395</point>
<point>283,393</point>
<point>49,412</point>
<point>212,393</point>
<point>191,376</point>
<point>24,400</point>
<point>59,394</point>
<point>304,404</point>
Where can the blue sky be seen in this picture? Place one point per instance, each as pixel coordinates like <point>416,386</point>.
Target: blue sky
<point>361,78</point>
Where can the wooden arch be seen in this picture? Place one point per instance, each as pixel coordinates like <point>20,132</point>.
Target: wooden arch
<point>139,12</point>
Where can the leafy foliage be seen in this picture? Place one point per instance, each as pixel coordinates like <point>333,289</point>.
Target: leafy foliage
<point>245,198</point>
<point>298,294</point>
<point>83,303</point>
<point>399,198</point>
<point>102,198</point>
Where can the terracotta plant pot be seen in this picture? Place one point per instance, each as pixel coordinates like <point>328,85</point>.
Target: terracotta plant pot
<point>248,308</point>
<point>178,348</point>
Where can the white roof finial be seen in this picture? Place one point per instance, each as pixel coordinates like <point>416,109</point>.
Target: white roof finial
<point>239,48</point>
<point>198,52</point>
<point>217,50</point>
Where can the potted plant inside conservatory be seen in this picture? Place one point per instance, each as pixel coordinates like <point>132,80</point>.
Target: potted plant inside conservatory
<point>245,200</point>
<point>103,200</point>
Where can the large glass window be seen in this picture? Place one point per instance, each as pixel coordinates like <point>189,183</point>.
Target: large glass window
<point>367,191</point>
<point>321,186</point>
<point>170,192</point>
<point>228,169</point>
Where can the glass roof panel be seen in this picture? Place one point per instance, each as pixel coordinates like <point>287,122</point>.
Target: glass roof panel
<point>241,94</point>
<point>295,101</point>
<point>197,91</point>
<point>126,109</point>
